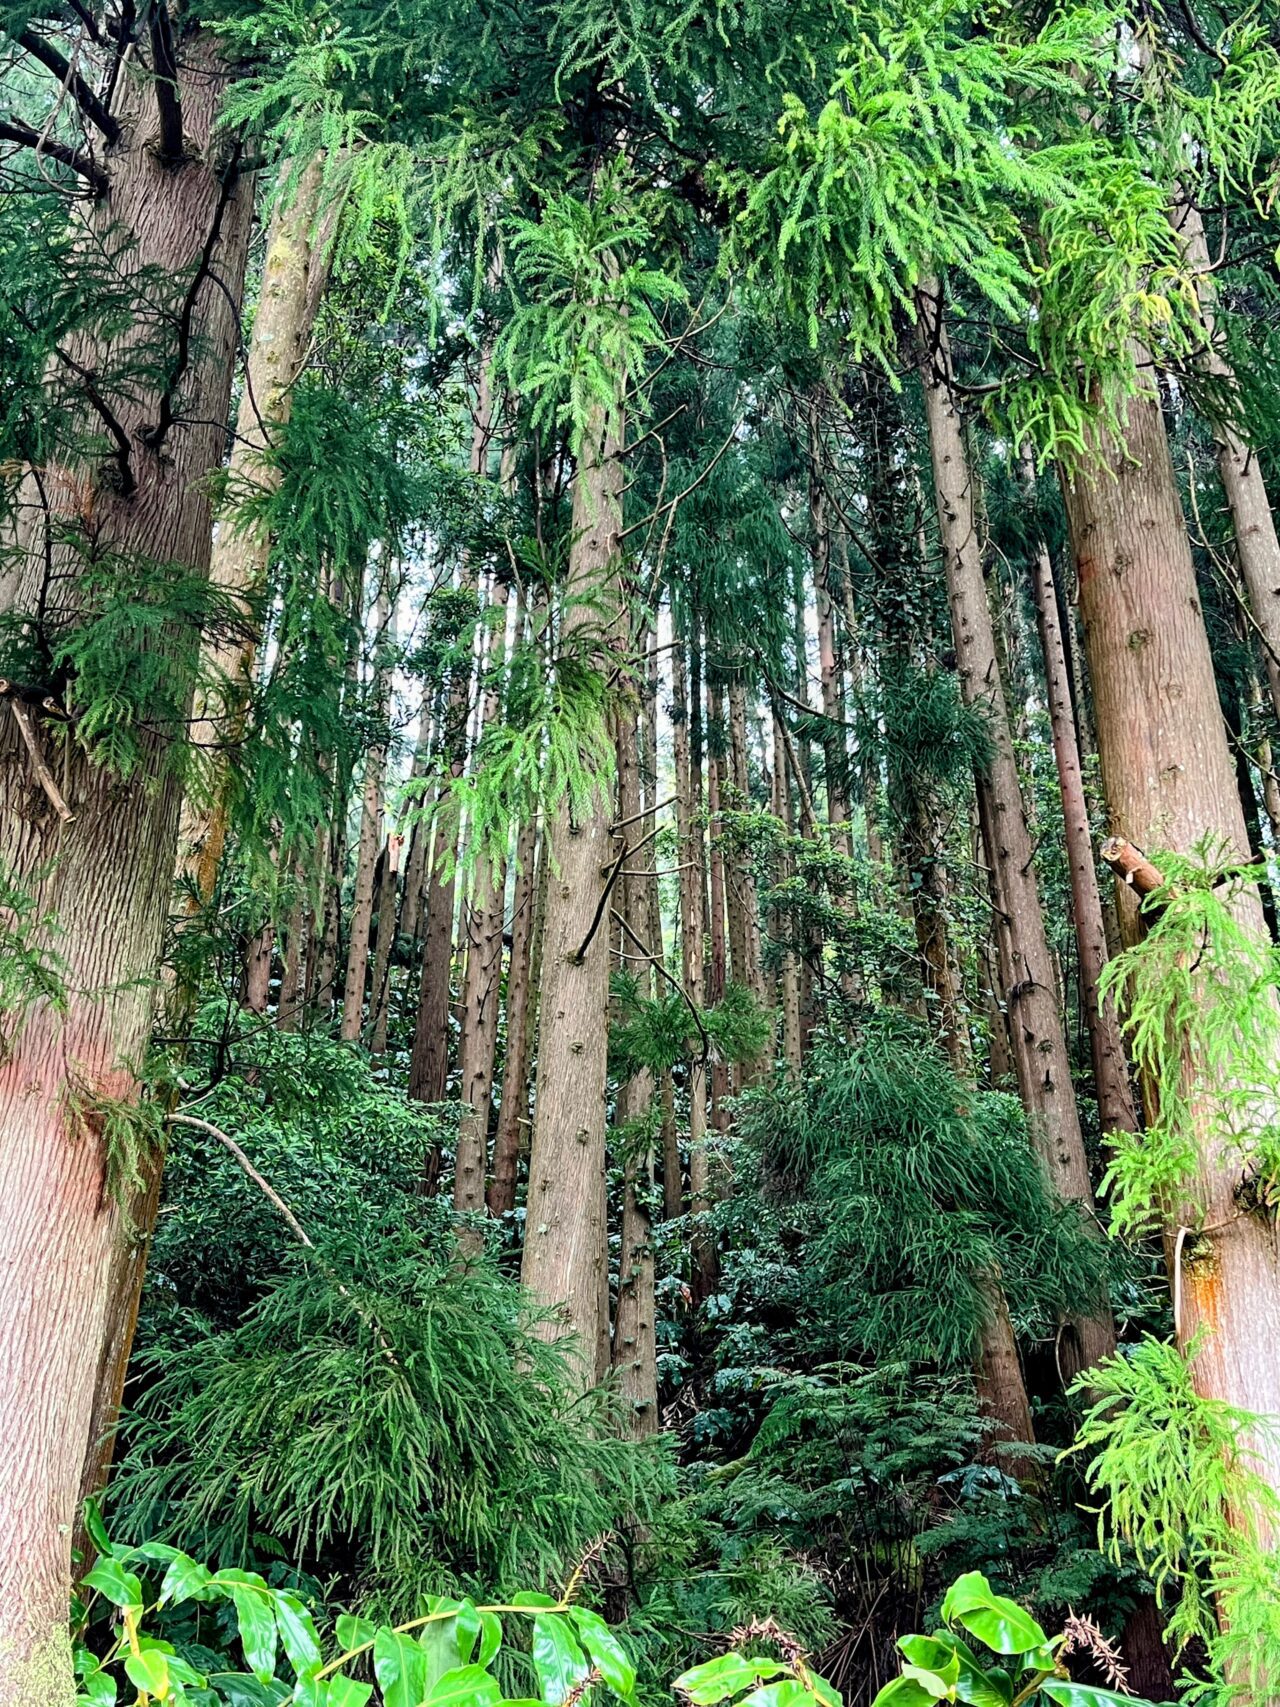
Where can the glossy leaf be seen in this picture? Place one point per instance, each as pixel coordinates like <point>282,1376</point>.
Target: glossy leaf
<point>353,1632</point>
<point>467,1686</point>
<point>726,1675</point>
<point>149,1671</point>
<point>400,1666</point>
<point>115,1584</point>
<point>559,1662</point>
<point>998,1623</point>
<point>903,1692</point>
<point>1063,1693</point>
<point>606,1652</point>
<point>490,1637</point>
<point>347,1692</point>
<point>297,1634</point>
<point>185,1579</point>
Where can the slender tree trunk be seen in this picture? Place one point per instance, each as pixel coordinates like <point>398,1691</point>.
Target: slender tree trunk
<point>513,1107</point>
<point>1169,782</point>
<point>388,912</point>
<point>353,988</point>
<point>717,971</point>
<point>257,970</point>
<point>482,981</point>
<point>72,1267</point>
<point>835,758</point>
<point>790,979</point>
<point>565,1232</point>
<point>1035,1022</point>
<point>1002,1393</point>
<point>1257,548</point>
<point>415,870</point>
<point>689,839</point>
<point>293,277</point>
<point>635,1350</point>
<point>1110,1069</point>
<point>293,972</point>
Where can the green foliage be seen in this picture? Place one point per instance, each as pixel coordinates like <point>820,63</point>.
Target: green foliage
<point>385,1414</point>
<point>930,1189</point>
<point>1204,1030</point>
<point>589,321</point>
<point>1020,1663</point>
<point>918,163</point>
<point>1177,1474</point>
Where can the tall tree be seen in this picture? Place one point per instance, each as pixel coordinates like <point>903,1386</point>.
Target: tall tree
<point>149,390</point>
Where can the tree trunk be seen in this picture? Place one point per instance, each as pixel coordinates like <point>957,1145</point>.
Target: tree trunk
<point>1002,1393</point>
<point>1035,1021</point>
<point>293,277</point>
<point>565,1232</point>
<point>482,981</point>
<point>635,1349</point>
<point>790,978</point>
<point>72,1266</point>
<point>513,1108</point>
<point>370,827</point>
<point>388,912</point>
<point>1110,1070</point>
<point>835,758</point>
<point>257,970</point>
<point>293,972</point>
<point>1256,546</point>
<point>1169,782</point>
<point>689,841</point>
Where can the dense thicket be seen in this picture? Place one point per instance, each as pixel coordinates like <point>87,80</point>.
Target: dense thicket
<point>639,675</point>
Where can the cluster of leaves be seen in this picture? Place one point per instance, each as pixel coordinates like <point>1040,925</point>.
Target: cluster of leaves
<point>31,969</point>
<point>1203,1027</point>
<point>1177,1474</point>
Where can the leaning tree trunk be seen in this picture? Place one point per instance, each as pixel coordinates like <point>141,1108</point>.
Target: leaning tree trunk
<point>1169,782</point>
<point>292,280</point>
<point>1110,1069</point>
<point>565,1241</point>
<point>1027,972</point>
<point>1256,546</point>
<point>71,1261</point>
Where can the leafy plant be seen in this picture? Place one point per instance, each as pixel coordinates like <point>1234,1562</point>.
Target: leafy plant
<point>1020,1663</point>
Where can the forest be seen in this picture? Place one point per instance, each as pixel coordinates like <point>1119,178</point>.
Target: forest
<point>639,853</point>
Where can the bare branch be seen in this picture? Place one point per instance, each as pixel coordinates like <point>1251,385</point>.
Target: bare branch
<point>164,63</point>
<point>12,130</point>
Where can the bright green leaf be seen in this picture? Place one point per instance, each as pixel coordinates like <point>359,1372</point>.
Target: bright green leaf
<point>559,1662</point>
<point>115,1584</point>
<point>606,1652</point>
<point>400,1666</point>
<point>149,1671</point>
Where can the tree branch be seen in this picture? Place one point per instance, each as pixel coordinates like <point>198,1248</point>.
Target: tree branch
<point>22,717</point>
<point>164,63</point>
<point>61,67</point>
<point>12,130</point>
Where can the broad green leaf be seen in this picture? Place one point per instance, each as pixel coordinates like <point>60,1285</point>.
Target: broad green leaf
<point>530,1597</point>
<point>400,1666</point>
<point>606,1652</point>
<point>826,1692</point>
<point>466,1629</point>
<point>149,1671</point>
<point>998,1623</point>
<point>353,1632</point>
<point>297,1634</point>
<point>256,1618</point>
<point>903,1692</point>
<point>239,1689</point>
<point>439,1642</point>
<point>939,1688</point>
<point>559,1662</point>
<point>727,1674</point>
<point>975,1686</point>
<point>1064,1693</point>
<point>115,1584</point>
<point>180,1670</point>
<point>184,1580</point>
<point>347,1692</point>
<point>99,1687</point>
<point>930,1655</point>
<point>786,1692</point>
<point>490,1637</point>
<point>467,1686</point>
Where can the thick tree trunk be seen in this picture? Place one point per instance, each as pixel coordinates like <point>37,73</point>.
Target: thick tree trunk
<point>375,765</point>
<point>1169,782</point>
<point>1002,1393</point>
<point>1035,1020</point>
<point>1110,1070</point>
<point>482,980</point>
<point>72,1265</point>
<point>257,970</point>
<point>293,278</point>
<point>293,972</point>
<point>565,1248</point>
